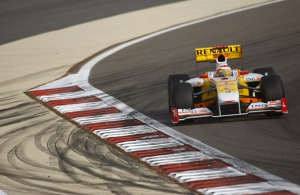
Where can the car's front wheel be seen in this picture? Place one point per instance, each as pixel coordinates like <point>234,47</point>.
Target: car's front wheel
<point>173,79</point>
<point>182,97</point>
<point>272,89</point>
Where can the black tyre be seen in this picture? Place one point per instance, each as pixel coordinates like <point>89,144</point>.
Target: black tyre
<point>272,89</point>
<point>177,78</point>
<point>182,97</point>
<point>267,71</point>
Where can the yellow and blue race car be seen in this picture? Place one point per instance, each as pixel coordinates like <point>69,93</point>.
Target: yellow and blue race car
<point>225,91</point>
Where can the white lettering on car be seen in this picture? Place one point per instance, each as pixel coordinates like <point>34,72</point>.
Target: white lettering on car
<point>263,105</point>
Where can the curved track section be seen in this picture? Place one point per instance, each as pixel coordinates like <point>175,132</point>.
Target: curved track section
<point>137,76</point>
<point>194,165</point>
<point>73,155</point>
<point>162,148</point>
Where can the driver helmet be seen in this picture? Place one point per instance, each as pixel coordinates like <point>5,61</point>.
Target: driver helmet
<point>224,73</point>
<point>222,69</point>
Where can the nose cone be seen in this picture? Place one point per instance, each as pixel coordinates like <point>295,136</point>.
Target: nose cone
<point>228,97</point>
<point>227,92</point>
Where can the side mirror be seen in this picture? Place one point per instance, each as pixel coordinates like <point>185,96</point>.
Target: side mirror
<point>244,72</point>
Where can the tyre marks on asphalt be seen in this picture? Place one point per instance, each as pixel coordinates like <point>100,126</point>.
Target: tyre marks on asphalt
<point>176,160</point>
<point>45,154</point>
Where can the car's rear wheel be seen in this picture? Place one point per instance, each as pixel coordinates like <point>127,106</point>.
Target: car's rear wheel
<point>177,78</point>
<point>182,97</point>
<point>272,89</point>
<point>267,71</point>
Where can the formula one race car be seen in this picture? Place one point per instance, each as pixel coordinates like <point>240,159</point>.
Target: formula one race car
<point>225,92</point>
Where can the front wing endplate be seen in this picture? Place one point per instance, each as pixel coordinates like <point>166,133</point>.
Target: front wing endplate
<point>257,107</point>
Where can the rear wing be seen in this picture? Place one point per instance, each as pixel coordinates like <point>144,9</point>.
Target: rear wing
<point>211,53</point>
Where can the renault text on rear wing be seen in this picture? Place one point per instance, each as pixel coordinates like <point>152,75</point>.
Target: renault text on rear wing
<point>211,53</point>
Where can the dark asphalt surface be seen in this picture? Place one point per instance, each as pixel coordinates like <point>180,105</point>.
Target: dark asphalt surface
<point>20,19</point>
<point>270,36</point>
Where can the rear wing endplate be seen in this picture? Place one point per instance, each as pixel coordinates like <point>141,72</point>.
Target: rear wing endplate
<point>211,53</point>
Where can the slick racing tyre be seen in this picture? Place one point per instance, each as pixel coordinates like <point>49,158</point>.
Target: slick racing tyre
<point>272,89</point>
<point>176,78</point>
<point>267,71</point>
<point>182,97</point>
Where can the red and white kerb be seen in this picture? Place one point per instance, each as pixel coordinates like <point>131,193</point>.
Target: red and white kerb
<point>173,158</point>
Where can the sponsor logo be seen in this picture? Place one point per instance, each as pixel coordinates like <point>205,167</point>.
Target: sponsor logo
<point>208,51</point>
<point>261,105</point>
<point>202,110</point>
<point>174,113</point>
<point>226,84</point>
<point>175,117</point>
<point>273,102</point>
<point>253,79</point>
<point>227,87</point>
<point>192,111</point>
<point>184,110</point>
<point>283,105</point>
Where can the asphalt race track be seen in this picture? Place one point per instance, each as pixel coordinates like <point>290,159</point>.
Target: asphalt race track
<point>269,35</point>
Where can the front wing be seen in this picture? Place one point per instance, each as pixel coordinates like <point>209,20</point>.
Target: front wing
<point>257,107</point>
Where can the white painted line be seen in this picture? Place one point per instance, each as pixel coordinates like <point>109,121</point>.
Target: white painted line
<point>2,192</point>
<point>62,96</point>
<point>148,144</point>
<point>126,131</point>
<point>181,157</point>
<point>252,188</point>
<point>63,82</point>
<point>206,174</point>
<point>102,118</point>
<point>81,107</point>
